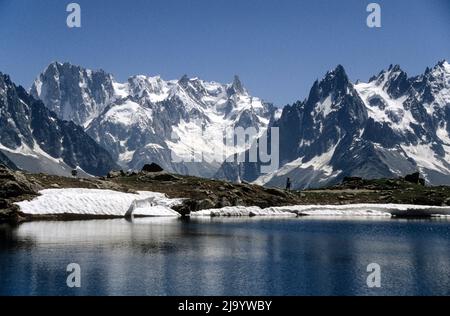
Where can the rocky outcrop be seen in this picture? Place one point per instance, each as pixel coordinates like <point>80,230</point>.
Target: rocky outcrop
<point>14,186</point>
<point>115,174</point>
<point>153,167</point>
<point>415,178</point>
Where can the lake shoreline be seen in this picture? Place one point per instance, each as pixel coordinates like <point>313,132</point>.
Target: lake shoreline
<point>199,194</point>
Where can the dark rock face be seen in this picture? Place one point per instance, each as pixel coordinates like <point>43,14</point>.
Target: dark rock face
<point>331,117</point>
<point>153,167</point>
<point>382,129</point>
<point>78,149</point>
<point>115,174</point>
<point>59,86</point>
<point>26,124</point>
<point>187,206</point>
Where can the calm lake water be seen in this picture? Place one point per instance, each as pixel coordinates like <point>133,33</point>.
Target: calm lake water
<point>296,256</point>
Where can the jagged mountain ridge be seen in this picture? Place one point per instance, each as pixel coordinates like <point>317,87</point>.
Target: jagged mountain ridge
<point>74,93</point>
<point>34,139</point>
<point>388,127</point>
<point>148,119</point>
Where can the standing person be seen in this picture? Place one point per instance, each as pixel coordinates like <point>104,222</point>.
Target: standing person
<point>288,184</point>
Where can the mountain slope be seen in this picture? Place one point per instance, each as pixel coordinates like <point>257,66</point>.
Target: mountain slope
<point>4,160</point>
<point>34,139</point>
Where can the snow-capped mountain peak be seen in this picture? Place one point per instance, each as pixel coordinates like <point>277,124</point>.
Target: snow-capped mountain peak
<point>74,93</point>
<point>390,126</point>
<point>237,87</point>
<point>150,119</point>
<point>439,83</point>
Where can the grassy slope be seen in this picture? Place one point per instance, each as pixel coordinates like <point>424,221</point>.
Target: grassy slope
<point>364,191</point>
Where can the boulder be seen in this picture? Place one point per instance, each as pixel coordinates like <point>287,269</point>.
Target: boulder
<point>223,202</point>
<point>4,204</point>
<point>187,207</point>
<point>205,204</point>
<point>165,177</point>
<point>115,174</point>
<point>238,202</point>
<point>153,167</point>
<point>415,178</point>
<point>10,214</point>
<point>14,184</point>
<point>352,179</point>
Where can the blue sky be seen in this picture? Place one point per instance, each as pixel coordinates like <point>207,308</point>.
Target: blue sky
<point>277,47</point>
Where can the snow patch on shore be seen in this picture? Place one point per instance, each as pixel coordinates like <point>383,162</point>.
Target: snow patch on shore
<point>96,202</point>
<point>329,210</point>
<point>243,211</point>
